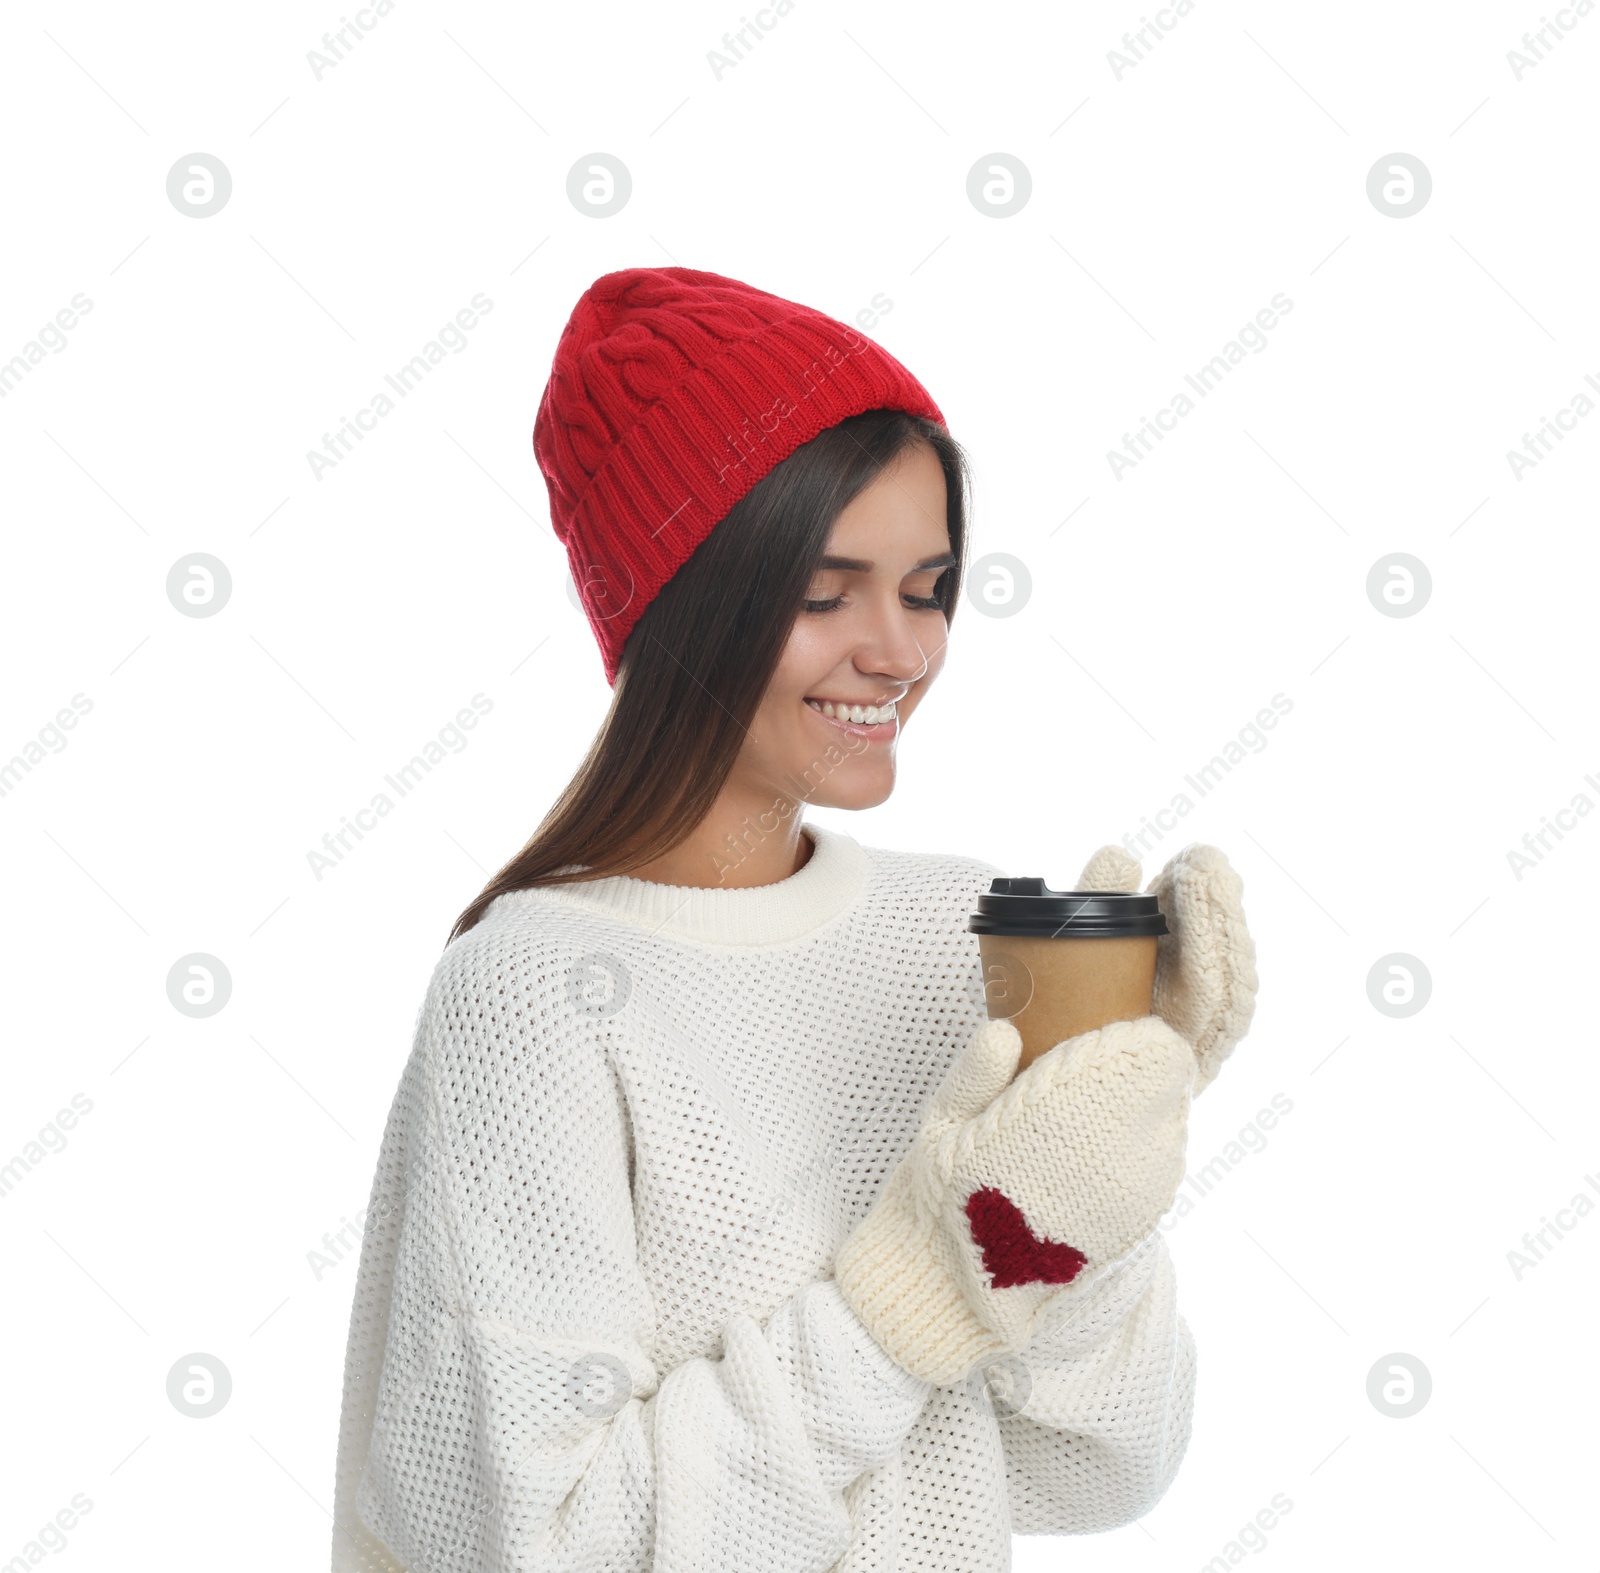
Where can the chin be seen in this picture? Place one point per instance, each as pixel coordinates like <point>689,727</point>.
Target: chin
<point>855,794</point>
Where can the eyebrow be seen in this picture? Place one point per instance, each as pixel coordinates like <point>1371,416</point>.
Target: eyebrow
<point>862,565</point>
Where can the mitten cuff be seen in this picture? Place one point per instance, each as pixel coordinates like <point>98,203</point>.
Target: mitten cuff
<point>892,1273</point>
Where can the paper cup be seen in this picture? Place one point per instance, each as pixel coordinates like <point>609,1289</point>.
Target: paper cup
<point>1060,963</point>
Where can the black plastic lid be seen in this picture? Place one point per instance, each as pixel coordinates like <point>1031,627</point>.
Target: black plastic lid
<point>1028,906</point>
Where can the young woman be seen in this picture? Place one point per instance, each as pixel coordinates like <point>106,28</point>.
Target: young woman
<point>710,1228</point>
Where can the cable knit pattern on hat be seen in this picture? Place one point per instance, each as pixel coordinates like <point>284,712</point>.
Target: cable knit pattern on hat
<point>594,1323</point>
<point>672,392</point>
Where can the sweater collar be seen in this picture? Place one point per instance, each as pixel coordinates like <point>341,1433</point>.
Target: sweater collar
<point>754,915</point>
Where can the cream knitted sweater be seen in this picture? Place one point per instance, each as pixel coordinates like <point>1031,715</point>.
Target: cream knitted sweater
<point>594,1324</point>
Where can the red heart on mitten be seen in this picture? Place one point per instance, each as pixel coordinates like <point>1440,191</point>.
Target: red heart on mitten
<point>1012,1252</point>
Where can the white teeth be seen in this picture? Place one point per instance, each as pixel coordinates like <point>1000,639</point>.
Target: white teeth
<point>860,714</point>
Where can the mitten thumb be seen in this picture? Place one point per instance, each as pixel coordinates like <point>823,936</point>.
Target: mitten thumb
<point>1111,868</point>
<point>977,1075</point>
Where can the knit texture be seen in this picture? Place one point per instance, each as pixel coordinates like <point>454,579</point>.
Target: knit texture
<point>594,1325</point>
<point>1206,977</point>
<point>671,393</point>
<point>1006,1197</point>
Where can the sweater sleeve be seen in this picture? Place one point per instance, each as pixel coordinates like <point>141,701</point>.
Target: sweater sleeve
<point>502,1405</point>
<point>1096,1415</point>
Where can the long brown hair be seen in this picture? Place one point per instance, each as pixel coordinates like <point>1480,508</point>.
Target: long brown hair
<point>697,663</point>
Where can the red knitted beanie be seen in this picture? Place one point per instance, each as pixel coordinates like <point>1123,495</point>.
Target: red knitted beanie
<point>672,393</point>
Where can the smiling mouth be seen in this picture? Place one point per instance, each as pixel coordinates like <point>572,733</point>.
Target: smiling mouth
<point>860,714</point>
<point>875,722</point>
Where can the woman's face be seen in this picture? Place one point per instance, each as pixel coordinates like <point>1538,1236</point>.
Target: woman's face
<point>865,637</point>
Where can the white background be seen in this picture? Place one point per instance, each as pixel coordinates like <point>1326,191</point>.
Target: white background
<point>1167,607</point>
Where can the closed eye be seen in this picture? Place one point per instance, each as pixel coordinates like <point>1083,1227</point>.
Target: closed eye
<point>917,602</point>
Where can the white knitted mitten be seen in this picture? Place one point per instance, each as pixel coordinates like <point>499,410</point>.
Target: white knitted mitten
<point>1013,1189</point>
<point>1206,963</point>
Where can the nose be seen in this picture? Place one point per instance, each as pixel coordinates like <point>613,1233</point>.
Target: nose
<point>891,649</point>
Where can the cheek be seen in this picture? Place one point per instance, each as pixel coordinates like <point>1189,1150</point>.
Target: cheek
<point>807,658</point>
<point>778,719</point>
<point>808,651</point>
